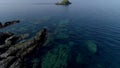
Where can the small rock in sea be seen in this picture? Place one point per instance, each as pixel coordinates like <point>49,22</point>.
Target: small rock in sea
<point>8,23</point>
<point>64,2</point>
<point>11,22</point>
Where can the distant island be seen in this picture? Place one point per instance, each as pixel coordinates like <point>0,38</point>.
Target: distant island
<point>64,2</point>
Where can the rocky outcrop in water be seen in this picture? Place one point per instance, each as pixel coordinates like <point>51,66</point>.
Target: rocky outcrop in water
<point>64,2</point>
<point>8,23</point>
<point>13,49</point>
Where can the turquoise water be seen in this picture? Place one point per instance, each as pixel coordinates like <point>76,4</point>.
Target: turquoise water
<point>85,34</point>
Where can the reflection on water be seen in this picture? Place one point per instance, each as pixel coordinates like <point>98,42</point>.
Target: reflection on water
<point>86,36</point>
<point>43,3</point>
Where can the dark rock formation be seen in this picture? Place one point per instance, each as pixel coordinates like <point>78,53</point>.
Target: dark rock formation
<point>14,39</point>
<point>0,25</point>
<point>8,23</point>
<point>64,2</point>
<point>15,53</point>
<point>4,36</point>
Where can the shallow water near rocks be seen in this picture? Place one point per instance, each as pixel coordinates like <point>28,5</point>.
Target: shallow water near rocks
<point>85,34</point>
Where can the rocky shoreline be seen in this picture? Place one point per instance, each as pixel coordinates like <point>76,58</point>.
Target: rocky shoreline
<point>14,49</point>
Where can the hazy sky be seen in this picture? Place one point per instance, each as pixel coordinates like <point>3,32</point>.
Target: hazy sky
<point>26,1</point>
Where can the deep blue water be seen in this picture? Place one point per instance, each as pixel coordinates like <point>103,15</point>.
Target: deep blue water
<point>82,21</point>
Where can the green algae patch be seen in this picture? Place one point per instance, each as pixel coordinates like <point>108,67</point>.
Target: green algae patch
<point>57,58</point>
<point>92,47</point>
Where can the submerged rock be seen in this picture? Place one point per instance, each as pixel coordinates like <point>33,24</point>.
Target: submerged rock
<point>64,2</point>
<point>92,47</point>
<point>57,57</point>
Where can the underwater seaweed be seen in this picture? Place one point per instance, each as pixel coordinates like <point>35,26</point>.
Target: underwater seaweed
<point>57,57</point>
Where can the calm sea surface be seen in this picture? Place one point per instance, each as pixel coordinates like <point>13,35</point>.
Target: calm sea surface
<point>85,34</point>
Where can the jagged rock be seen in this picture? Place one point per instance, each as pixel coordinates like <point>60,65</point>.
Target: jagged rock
<point>1,46</point>
<point>10,51</point>
<point>13,39</point>
<point>5,62</point>
<point>16,53</point>
<point>16,64</point>
<point>21,37</point>
<point>31,45</point>
<point>4,36</point>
